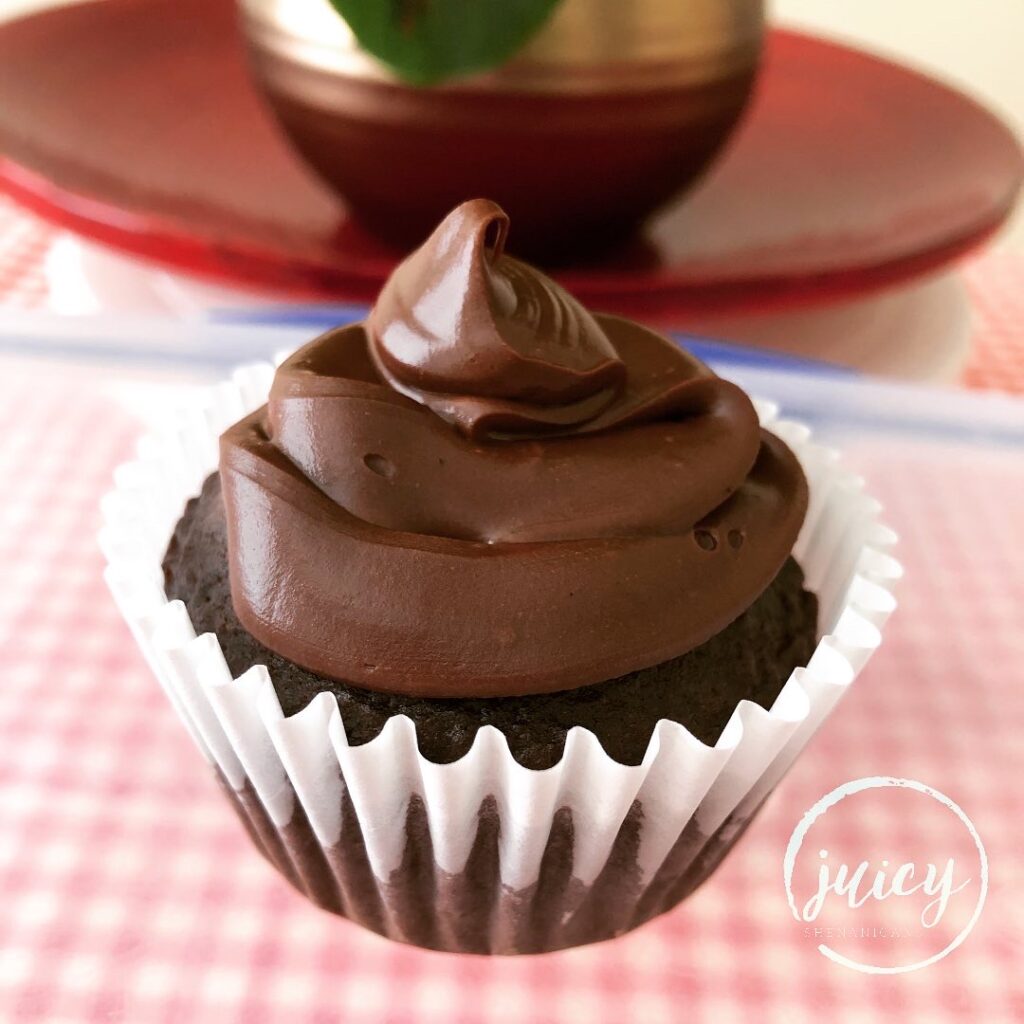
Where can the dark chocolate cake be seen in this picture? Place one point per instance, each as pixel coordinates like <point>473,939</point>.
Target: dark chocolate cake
<point>750,659</point>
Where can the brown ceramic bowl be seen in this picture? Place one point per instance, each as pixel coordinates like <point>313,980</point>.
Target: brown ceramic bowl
<point>610,111</point>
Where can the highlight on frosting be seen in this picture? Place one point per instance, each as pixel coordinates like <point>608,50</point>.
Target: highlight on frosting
<point>516,352</point>
<point>485,489</point>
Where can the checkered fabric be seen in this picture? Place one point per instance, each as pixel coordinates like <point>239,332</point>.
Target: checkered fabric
<point>129,892</point>
<point>995,282</point>
<point>24,242</point>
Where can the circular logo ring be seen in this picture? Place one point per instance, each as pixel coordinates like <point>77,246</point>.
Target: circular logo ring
<point>858,786</point>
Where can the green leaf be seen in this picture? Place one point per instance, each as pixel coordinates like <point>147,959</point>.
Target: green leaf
<point>425,41</point>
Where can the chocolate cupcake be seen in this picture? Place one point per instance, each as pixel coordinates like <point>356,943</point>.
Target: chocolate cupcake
<point>508,611</point>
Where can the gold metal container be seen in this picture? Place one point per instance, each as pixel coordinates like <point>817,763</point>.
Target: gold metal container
<point>608,112</point>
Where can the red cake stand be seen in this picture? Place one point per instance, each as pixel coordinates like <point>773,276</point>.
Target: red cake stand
<point>135,123</point>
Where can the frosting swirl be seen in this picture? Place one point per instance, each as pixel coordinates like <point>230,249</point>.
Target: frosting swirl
<point>486,490</point>
<point>516,354</point>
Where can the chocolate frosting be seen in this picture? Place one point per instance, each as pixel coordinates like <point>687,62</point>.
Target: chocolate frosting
<point>486,490</point>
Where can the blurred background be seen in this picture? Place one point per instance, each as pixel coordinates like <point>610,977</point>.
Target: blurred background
<point>978,53</point>
<point>832,225</point>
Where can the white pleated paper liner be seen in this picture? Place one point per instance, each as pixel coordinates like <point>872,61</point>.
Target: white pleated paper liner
<point>483,854</point>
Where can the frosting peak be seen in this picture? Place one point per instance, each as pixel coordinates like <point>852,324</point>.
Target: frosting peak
<point>488,343</point>
<point>487,490</point>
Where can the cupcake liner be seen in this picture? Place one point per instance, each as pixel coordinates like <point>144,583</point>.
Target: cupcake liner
<point>483,855</point>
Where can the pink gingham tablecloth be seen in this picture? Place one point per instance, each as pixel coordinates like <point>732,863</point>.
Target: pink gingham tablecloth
<point>129,893</point>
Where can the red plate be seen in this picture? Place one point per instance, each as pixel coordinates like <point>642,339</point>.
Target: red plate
<point>134,122</point>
